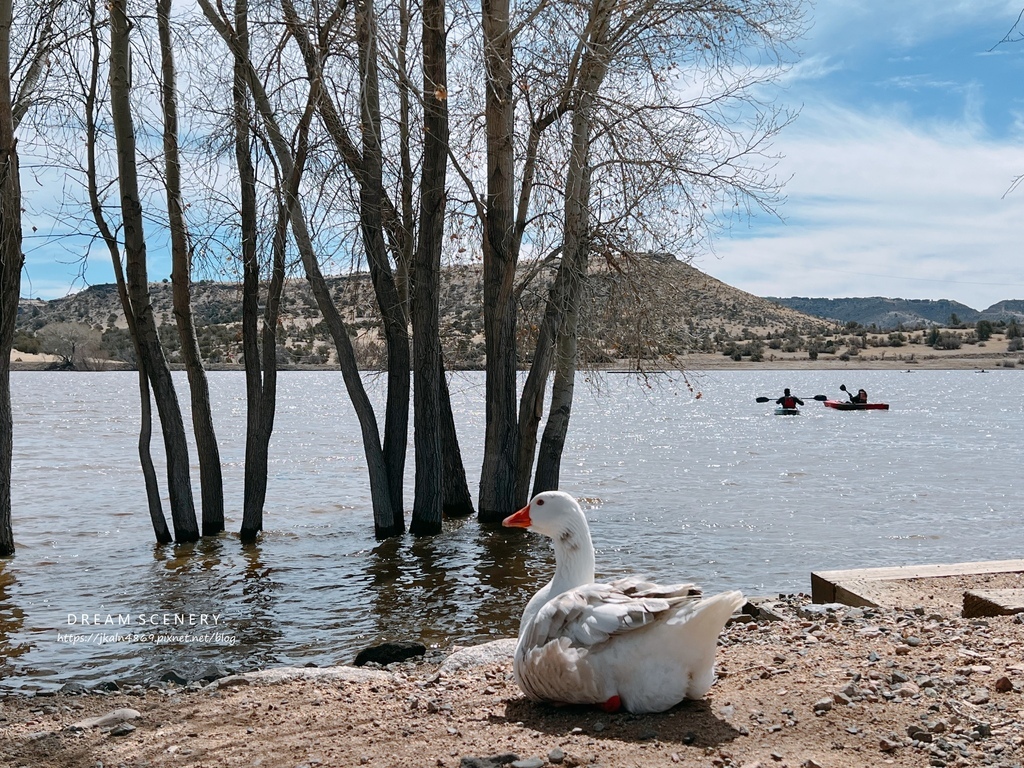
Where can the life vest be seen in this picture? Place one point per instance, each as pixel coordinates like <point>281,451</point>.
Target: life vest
<point>789,402</point>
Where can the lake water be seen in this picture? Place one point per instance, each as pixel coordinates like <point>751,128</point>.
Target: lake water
<point>714,489</point>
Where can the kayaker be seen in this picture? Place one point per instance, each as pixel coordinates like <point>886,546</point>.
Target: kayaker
<point>789,401</point>
<point>861,397</point>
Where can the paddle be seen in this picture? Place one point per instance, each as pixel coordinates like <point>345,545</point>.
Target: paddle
<point>819,398</point>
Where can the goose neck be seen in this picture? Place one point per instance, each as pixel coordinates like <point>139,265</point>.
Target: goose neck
<point>574,557</point>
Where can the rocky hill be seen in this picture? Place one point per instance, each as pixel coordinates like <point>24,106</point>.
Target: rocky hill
<point>891,314</point>
<point>650,307</point>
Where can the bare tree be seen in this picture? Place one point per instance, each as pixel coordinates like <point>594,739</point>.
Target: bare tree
<point>15,101</point>
<point>384,222</point>
<point>388,521</point>
<point>11,259</point>
<point>151,353</point>
<point>211,480</point>
<point>76,344</point>
<point>89,91</point>
<point>665,89</point>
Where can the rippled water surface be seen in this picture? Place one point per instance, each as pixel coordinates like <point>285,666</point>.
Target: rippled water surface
<point>713,489</point>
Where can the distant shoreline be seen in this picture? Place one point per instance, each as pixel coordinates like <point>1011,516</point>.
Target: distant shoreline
<point>953,360</point>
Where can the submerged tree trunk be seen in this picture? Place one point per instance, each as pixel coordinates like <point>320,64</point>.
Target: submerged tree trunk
<point>210,478</point>
<point>156,513</point>
<point>152,360</point>
<point>11,260</point>
<point>256,439</point>
<point>428,365</point>
<point>456,498</point>
<point>501,435</point>
<point>371,204</point>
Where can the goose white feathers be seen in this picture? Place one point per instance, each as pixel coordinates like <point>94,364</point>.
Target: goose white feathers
<point>626,643</point>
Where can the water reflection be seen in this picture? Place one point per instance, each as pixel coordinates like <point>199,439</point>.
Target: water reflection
<point>467,585</point>
<point>12,619</point>
<point>510,567</point>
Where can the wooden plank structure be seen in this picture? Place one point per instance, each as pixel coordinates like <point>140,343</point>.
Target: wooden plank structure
<point>858,587</point>
<point>993,602</point>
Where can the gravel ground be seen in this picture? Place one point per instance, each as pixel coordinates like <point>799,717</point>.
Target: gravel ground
<point>799,685</point>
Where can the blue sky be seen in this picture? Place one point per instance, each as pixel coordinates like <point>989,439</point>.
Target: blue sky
<point>910,134</point>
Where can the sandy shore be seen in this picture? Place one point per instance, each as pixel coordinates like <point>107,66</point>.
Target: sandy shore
<point>800,685</point>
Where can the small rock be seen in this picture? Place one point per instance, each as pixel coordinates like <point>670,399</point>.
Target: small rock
<point>841,698</point>
<point>821,706</point>
<point>387,653</point>
<point>123,729</point>
<point>530,762</point>
<point>1004,684</point>
<point>211,673</point>
<point>174,677</point>
<point>979,697</point>
<point>906,690</point>
<point>888,745</point>
<point>556,756</point>
<point>108,720</point>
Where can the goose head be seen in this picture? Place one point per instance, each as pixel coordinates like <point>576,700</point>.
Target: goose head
<point>557,515</point>
<point>550,513</point>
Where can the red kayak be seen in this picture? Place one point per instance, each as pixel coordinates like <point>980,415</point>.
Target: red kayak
<point>845,405</point>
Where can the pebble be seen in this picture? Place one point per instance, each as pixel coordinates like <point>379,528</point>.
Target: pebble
<point>821,706</point>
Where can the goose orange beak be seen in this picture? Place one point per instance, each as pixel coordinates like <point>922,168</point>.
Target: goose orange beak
<point>520,519</point>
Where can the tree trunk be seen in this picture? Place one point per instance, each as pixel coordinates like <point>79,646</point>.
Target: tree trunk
<point>211,481</point>
<point>156,513</point>
<point>501,435</point>
<point>256,447</point>
<point>428,366</point>
<point>371,193</point>
<point>456,500</point>
<point>11,260</point>
<point>179,487</point>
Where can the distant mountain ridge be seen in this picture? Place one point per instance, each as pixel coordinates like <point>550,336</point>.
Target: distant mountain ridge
<point>889,314</point>
<point>656,307</point>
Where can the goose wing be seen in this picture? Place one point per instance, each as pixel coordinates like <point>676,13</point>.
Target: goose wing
<point>591,614</point>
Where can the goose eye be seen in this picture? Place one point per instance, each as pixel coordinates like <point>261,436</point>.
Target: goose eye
<point>540,502</point>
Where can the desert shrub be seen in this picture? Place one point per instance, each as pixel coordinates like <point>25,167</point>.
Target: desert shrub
<point>947,340</point>
<point>1016,344</point>
<point>27,343</point>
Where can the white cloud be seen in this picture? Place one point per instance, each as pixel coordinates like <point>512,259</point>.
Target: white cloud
<point>880,206</point>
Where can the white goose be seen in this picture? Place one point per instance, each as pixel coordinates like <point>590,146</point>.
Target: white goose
<point>627,643</point>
